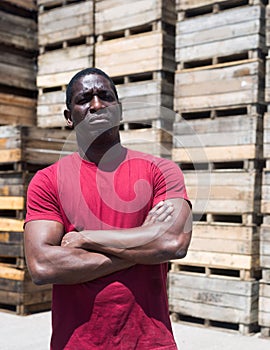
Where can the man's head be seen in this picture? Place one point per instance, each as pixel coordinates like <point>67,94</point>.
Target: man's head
<point>82,73</point>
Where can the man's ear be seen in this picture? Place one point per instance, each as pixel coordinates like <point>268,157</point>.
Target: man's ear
<point>120,110</point>
<point>68,118</point>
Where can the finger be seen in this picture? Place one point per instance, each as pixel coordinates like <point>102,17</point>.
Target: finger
<point>156,207</point>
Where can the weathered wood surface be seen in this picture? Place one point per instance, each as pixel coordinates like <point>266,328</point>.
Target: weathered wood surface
<point>18,31</point>
<point>221,131</point>
<point>139,53</point>
<point>221,85</point>
<point>265,202</point>
<point>152,141</point>
<point>69,22</point>
<point>11,225</point>
<point>265,246</point>
<point>57,67</point>
<point>50,109</point>
<point>220,299</point>
<point>17,70</point>
<point>16,109</point>
<point>223,192</point>
<point>214,154</point>
<point>11,183</point>
<point>147,100</point>
<point>264,304</point>
<point>267,77</point>
<point>184,5</point>
<point>267,29</point>
<point>226,33</point>
<point>111,16</point>
<point>225,239</point>
<point>25,4</point>
<point>11,245</point>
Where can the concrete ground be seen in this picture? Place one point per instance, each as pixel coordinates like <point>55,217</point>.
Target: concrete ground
<point>33,332</point>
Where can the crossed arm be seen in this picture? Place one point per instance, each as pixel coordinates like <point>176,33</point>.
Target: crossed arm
<point>78,257</point>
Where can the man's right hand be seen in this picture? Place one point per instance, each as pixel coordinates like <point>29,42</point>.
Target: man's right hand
<point>160,212</point>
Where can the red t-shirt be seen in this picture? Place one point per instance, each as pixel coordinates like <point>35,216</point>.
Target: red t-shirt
<point>127,309</point>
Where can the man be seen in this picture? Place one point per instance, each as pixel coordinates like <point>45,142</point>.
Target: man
<point>101,225</point>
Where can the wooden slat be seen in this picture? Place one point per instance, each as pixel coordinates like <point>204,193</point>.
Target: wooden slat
<point>10,156</point>
<point>11,225</point>
<point>12,202</point>
<point>264,304</point>
<point>26,4</point>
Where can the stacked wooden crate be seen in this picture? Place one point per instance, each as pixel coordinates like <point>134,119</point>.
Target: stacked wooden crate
<point>66,44</point>
<point>135,46</point>
<point>264,299</point>
<point>220,48</point>
<point>18,39</point>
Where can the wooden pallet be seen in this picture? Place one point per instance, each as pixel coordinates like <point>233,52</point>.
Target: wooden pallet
<point>198,89</point>
<point>57,67</point>
<point>267,78</point>
<point>219,36</point>
<point>192,8</point>
<point>265,203</point>
<point>138,53</point>
<point>264,307</point>
<point>20,295</point>
<point>265,246</point>
<point>114,16</point>
<point>267,25</point>
<point>29,5</point>
<point>69,22</point>
<point>218,299</point>
<point>18,31</point>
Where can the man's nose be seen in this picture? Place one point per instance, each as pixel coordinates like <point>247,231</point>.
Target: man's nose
<point>96,104</point>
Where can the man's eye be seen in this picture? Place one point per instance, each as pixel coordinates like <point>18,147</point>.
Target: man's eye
<point>106,96</point>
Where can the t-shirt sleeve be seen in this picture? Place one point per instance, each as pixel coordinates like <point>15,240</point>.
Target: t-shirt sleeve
<point>169,182</point>
<point>41,201</point>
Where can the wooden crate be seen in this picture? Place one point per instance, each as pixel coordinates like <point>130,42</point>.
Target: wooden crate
<point>221,138</point>
<point>225,300</point>
<point>10,144</point>
<point>117,15</point>
<point>16,109</point>
<point>218,35</point>
<point>226,247</point>
<point>222,85</point>
<point>18,31</point>
<point>265,202</point>
<point>20,295</point>
<point>65,23</point>
<point>151,140</point>
<point>138,53</point>
<point>57,67</point>
<point>264,307</point>
<point>231,191</point>
<point>148,100</point>
<point>17,69</point>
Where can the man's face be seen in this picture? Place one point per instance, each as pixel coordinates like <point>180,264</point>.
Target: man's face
<point>94,102</point>
<point>94,110</point>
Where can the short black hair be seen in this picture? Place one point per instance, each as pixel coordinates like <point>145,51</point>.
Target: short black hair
<point>83,73</point>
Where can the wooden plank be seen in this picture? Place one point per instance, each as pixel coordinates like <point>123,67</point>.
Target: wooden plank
<point>135,54</point>
<point>214,154</point>
<point>184,5</point>
<point>212,299</point>
<point>198,89</point>
<point>10,155</point>
<point>11,202</point>
<point>221,260</point>
<point>18,31</point>
<point>29,5</point>
<point>115,15</point>
<point>57,67</point>
<point>267,77</point>
<point>68,22</point>
<point>50,109</point>
<point>11,225</point>
<point>264,304</point>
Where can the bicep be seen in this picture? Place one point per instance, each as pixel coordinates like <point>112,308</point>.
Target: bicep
<point>40,234</point>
